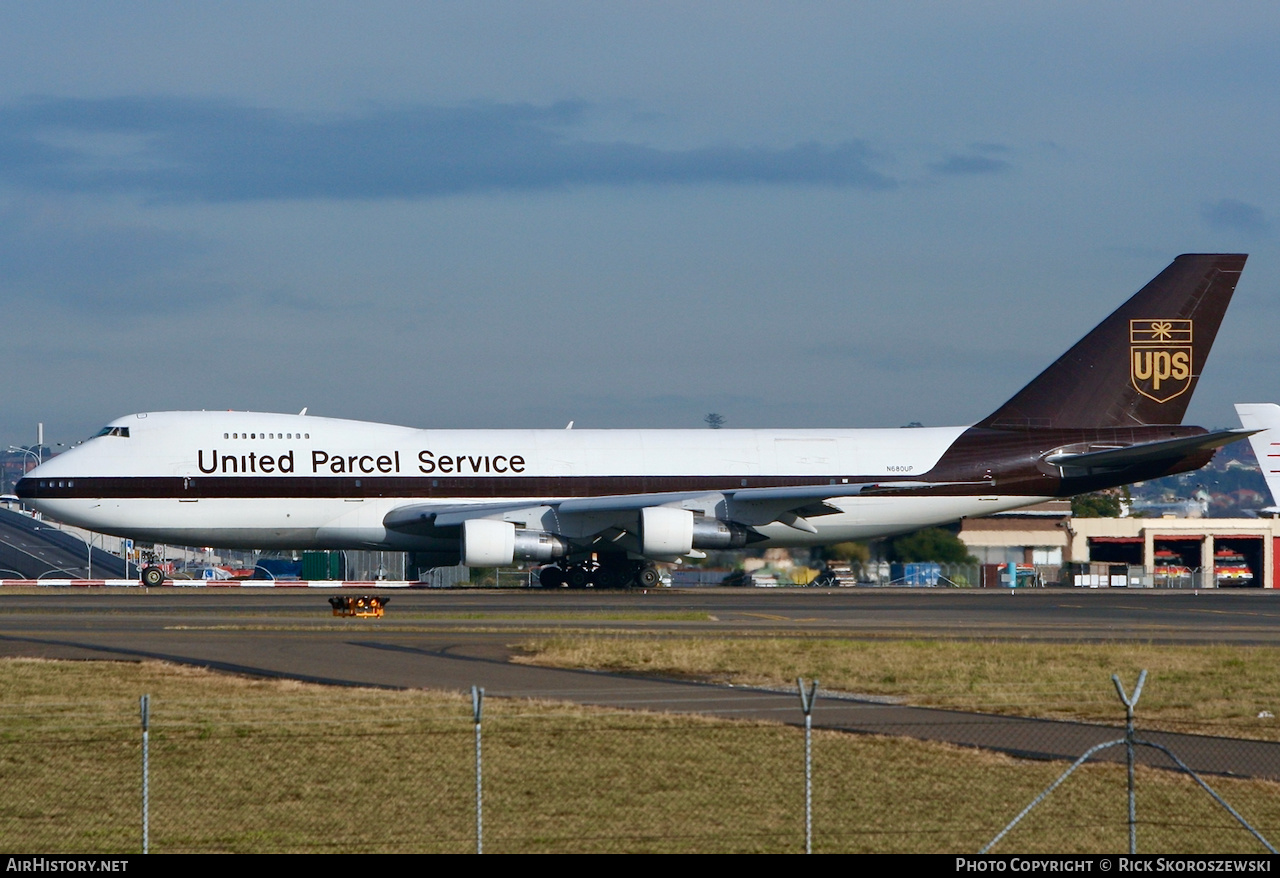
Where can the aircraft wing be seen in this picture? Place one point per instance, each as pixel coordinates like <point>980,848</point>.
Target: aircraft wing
<point>580,516</point>
<point>1148,452</point>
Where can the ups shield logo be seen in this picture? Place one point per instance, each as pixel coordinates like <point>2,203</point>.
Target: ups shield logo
<point>1160,357</point>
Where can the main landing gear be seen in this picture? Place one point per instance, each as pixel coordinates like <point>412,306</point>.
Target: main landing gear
<point>607,574</point>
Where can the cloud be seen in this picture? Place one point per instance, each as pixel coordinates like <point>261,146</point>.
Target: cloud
<point>1229,215</point>
<point>51,253</point>
<point>204,150</point>
<point>971,164</point>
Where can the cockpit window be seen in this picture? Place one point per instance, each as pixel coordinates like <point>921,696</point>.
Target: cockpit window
<point>112,431</point>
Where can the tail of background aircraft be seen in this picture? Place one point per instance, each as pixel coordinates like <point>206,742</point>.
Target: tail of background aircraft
<point>1140,365</point>
<point>1266,445</point>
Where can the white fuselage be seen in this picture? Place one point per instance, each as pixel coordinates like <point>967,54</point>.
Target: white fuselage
<point>244,479</point>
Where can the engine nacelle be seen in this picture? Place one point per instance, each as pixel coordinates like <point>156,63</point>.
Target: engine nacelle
<point>665,532</point>
<point>490,543</point>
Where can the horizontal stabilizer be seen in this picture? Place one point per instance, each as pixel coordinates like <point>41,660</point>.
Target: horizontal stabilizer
<point>1148,452</point>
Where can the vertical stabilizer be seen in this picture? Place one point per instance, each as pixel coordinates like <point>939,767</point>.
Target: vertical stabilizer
<point>1264,416</point>
<point>1140,365</point>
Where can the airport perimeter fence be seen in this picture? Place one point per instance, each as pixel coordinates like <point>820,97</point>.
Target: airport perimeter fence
<point>270,766</point>
<point>936,574</point>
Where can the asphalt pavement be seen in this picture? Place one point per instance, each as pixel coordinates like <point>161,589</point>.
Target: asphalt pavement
<point>444,639</point>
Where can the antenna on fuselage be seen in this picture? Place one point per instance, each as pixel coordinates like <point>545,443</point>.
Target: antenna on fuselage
<point>304,410</point>
<point>569,426</point>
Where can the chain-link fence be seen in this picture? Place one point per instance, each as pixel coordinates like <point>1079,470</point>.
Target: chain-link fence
<point>934,574</point>
<point>285,767</point>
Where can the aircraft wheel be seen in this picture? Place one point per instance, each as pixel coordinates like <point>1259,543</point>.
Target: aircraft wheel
<point>152,576</point>
<point>551,577</point>
<point>577,576</point>
<point>648,577</point>
<point>608,577</point>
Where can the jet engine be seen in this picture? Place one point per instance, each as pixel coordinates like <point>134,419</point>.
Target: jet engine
<point>489,543</point>
<point>668,532</point>
<point>665,532</point>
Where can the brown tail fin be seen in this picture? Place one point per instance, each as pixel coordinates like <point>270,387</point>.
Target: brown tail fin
<point>1141,364</point>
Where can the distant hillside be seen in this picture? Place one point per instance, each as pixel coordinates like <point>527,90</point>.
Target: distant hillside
<point>1232,481</point>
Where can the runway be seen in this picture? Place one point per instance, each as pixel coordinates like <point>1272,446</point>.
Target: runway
<point>456,639</point>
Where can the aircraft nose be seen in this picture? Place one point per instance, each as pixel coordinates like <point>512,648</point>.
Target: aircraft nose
<point>30,486</point>
<point>26,488</point>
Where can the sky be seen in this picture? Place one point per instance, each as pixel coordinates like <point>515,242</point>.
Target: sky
<point>517,214</point>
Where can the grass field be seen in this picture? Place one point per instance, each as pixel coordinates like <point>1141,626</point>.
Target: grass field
<point>1219,690</point>
<point>267,765</point>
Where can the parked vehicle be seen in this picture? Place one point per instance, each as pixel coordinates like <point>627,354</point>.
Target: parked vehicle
<point>1230,569</point>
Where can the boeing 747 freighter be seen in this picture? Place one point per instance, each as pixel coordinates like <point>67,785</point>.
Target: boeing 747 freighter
<point>599,506</point>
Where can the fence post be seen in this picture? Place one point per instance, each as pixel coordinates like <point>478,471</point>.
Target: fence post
<point>806,704</point>
<point>144,706</point>
<point>1128,746</point>
<point>477,703</point>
